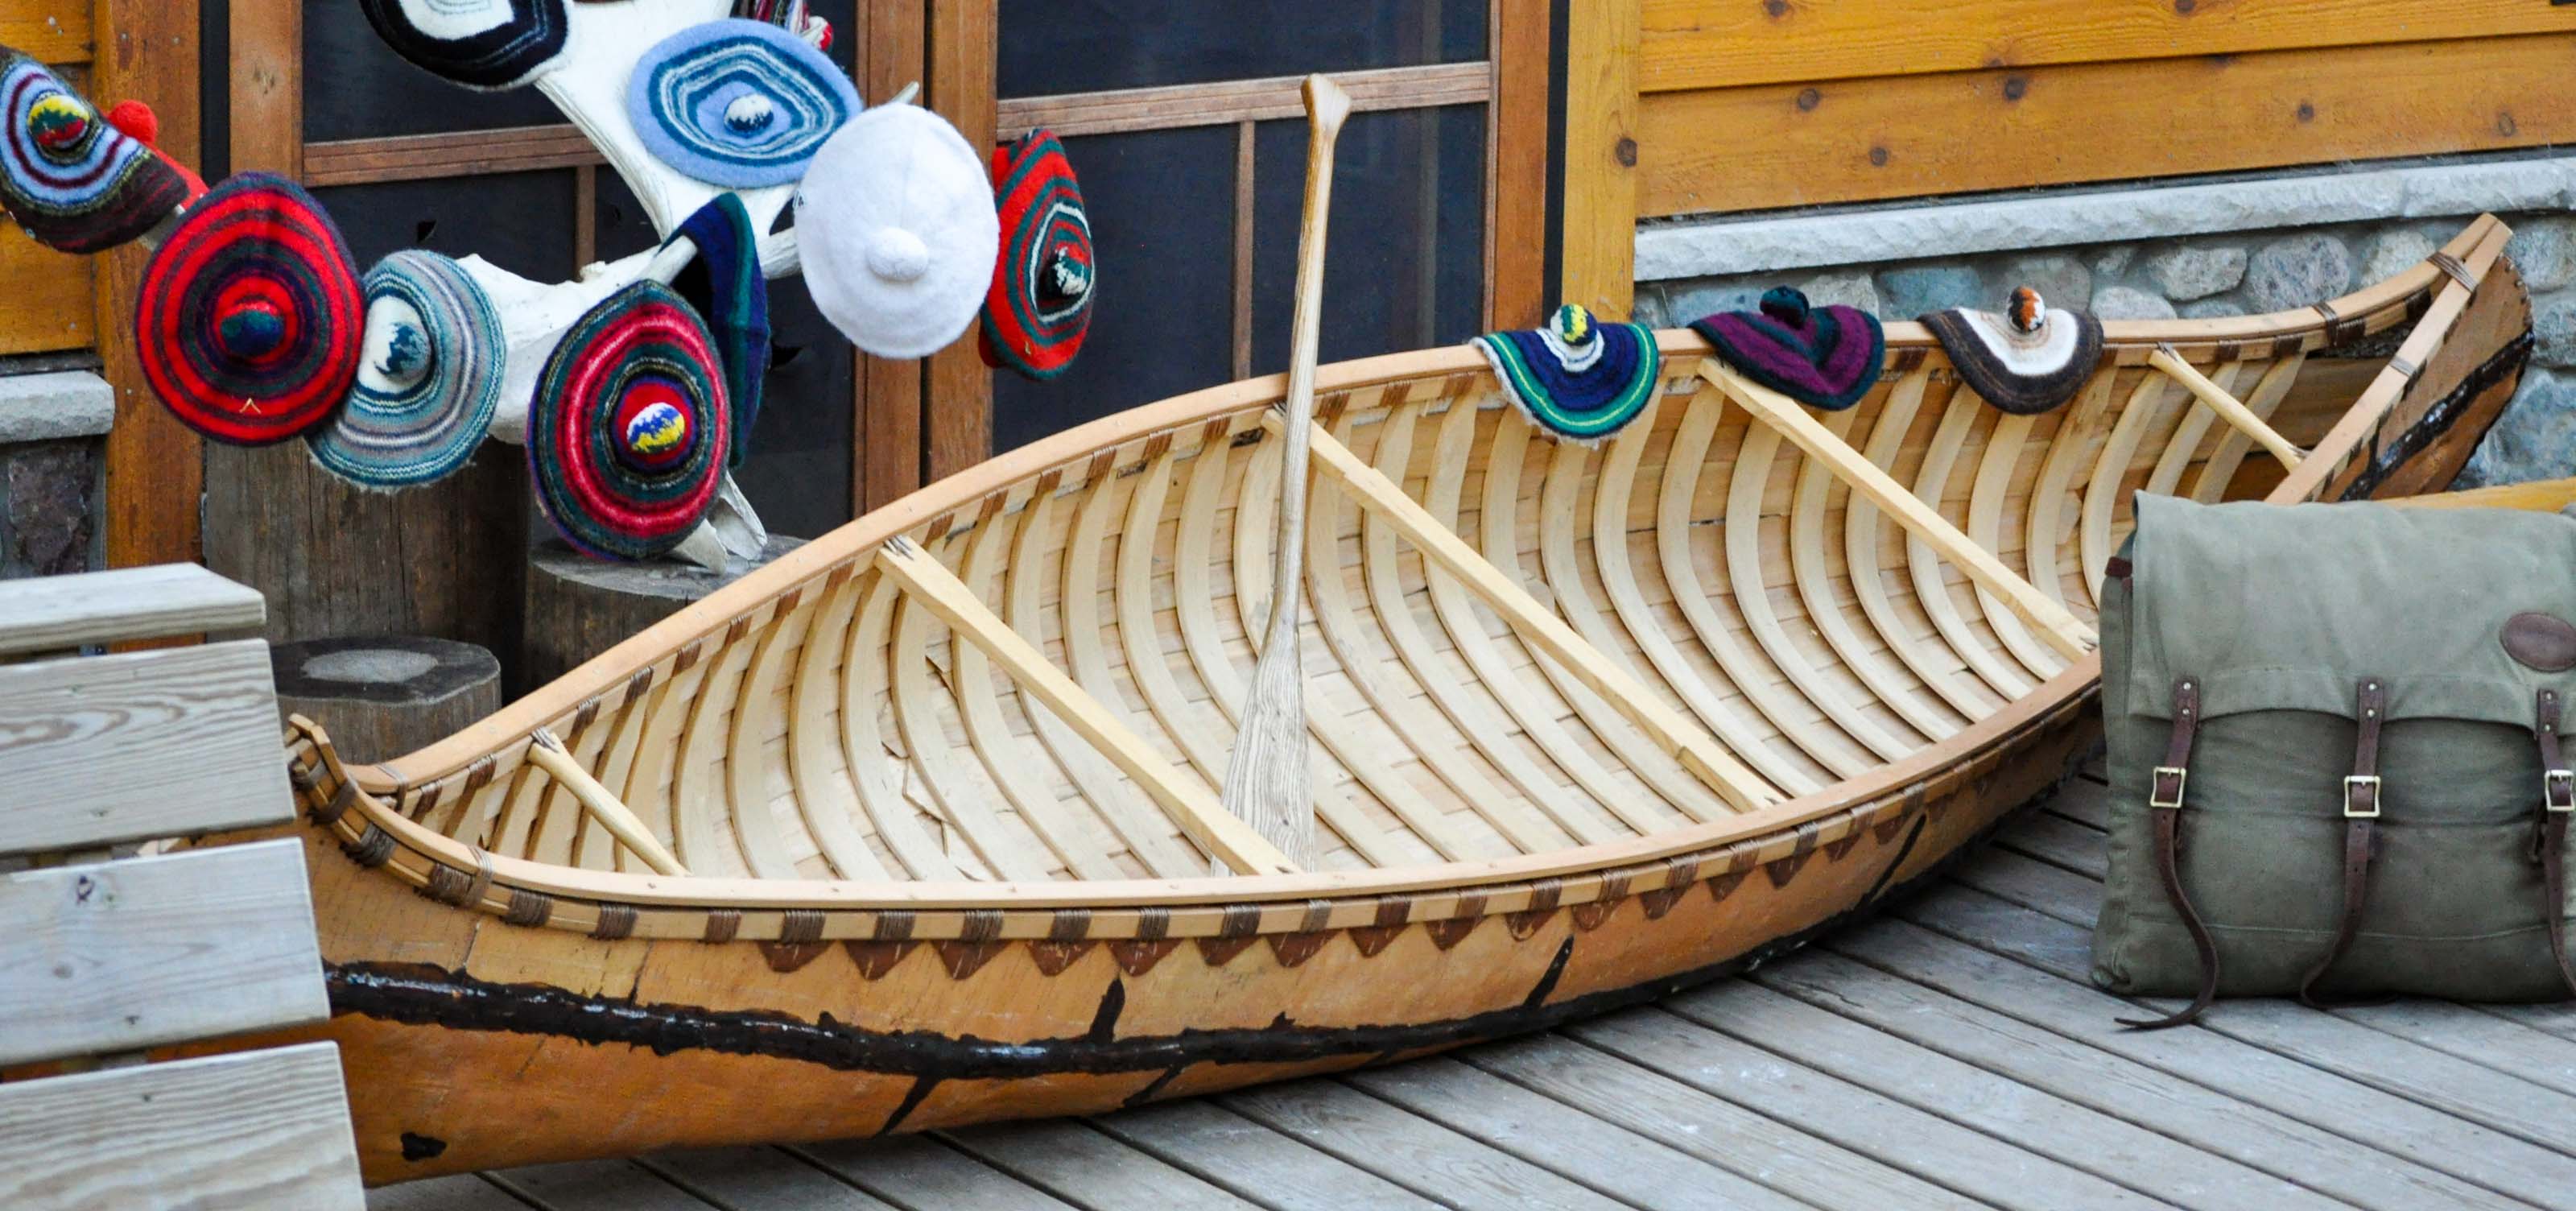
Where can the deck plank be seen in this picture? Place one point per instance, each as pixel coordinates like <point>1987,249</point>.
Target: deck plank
<point>1883,1061</point>
<point>598,1186</point>
<point>1421,1156</point>
<point>1994,1171</point>
<point>461,1192</point>
<point>1617,1161</point>
<point>2065,1062</point>
<point>1722,1133</point>
<point>1253,1161</point>
<point>1979,949</point>
<point>920,1174</point>
<point>1074,1162</point>
<point>758,1179</point>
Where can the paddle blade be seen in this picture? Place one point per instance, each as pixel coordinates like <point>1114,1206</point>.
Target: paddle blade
<point>1265,778</point>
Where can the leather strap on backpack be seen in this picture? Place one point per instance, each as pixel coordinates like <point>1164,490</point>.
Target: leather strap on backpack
<point>2164,802</point>
<point>2360,835</point>
<point>2557,806</point>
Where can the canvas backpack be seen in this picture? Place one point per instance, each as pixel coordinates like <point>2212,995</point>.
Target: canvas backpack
<point>2335,753</point>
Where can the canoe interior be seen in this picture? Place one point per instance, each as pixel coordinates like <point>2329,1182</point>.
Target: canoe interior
<point>834,729</point>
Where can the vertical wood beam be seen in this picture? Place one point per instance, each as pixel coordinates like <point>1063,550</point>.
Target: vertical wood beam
<point>1602,37</point>
<point>146,50</point>
<point>957,396</point>
<point>887,460</point>
<point>1516,191</point>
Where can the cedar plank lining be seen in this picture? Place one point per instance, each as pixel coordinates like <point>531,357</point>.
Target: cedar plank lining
<point>1692,44</point>
<point>1915,135</point>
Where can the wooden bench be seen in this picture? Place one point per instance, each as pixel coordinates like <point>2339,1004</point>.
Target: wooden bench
<point>109,951</point>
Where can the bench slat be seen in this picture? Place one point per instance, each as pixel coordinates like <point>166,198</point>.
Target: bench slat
<point>255,1129</point>
<point>105,749</point>
<point>128,955</point>
<point>59,613</point>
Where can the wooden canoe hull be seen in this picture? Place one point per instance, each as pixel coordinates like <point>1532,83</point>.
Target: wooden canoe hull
<point>469,1044</point>
<point>896,914</point>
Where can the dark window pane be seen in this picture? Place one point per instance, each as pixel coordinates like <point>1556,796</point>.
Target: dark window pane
<point>1064,46</point>
<point>520,221</point>
<point>1405,264</point>
<point>356,87</point>
<point>1162,220</point>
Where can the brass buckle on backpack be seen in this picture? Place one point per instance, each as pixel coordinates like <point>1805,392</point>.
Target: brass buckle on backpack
<point>2156,794</point>
<point>2558,790</point>
<point>2354,783</point>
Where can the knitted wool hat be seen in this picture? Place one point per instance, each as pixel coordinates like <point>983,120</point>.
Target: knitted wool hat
<point>725,283</point>
<point>2027,361</point>
<point>1824,357</point>
<point>484,44</point>
<point>898,232</point>
<point>249,316</point>
<point>72,179</point>
<point>1040,305</point>
<point>738,103</point>
<point>628,433</point>
<point>1578,379</point>
<point>428,379</point>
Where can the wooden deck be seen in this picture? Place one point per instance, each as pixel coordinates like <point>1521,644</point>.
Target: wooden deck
<point>1951,1055</point>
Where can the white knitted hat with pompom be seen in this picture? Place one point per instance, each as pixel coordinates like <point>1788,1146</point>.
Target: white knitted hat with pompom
<point>896,228</point>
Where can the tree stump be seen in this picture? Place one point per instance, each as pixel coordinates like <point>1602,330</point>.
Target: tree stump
<point>381,696</point>
<point>578,607</point>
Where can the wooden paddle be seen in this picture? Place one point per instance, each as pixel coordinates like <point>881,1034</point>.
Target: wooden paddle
<point>1265,778</point>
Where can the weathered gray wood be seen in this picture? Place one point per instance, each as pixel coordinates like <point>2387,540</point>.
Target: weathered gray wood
<point>461,1192</point>
<point>1994,1171</point>
<point>2056,840</point>
<point>253,1129</point>
<point>598,1186</point>
<point>2558,1019</point>
<point>104,749</point>
<point>381,696</point>
<point>917,1173</point>
<point>2073,1068</point>
<point>62,613</point>
<point>2096,767</point>
<point>2030,883</point>
<point>578,607</point>
<point>1988,953</point>
<point>1082,1166</point>
<point>758,1179</point>
<point>1719,1132</point>
<point>1254,1162</point>
<point>2483,1039</point>
<point>1421,1156</point>
<point>1565,1141</point>
<point>126,955</point>
<point>2041,1122</point>
<point>2083,801</point>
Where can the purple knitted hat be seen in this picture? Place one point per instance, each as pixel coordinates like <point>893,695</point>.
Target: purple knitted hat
<point>1824,357</point>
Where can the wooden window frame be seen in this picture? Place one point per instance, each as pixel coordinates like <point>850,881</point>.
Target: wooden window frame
<point>918,421</point>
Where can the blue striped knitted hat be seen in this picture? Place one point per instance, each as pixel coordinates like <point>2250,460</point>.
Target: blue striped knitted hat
<point>1576,378</point>
<point>428,381</point>
<point>738,103</point>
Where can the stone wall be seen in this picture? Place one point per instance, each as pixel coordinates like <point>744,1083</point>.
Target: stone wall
<point>2193,274</point>
<point>53,494</point>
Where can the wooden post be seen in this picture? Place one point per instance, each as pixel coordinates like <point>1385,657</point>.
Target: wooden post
<point>885,392</point>
<point>578,607</point>
<point>147,51</point>
<point>387,695</point>
<point>1601,155</point>
<point>957,388</point>
<point>1516,147</point>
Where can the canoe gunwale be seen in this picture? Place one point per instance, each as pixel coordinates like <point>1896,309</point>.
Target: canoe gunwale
<point>378,820</point>
<point>374,835</point>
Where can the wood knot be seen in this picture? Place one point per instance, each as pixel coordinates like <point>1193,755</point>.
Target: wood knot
<point>1626,152</point>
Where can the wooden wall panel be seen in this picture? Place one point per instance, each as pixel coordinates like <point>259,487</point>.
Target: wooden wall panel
<point>46,302</point>
<point>1893,137</point>
<point>1691,44</point>
<point>54,31</point>
<point>155,465</point>
<point>1602,138</point>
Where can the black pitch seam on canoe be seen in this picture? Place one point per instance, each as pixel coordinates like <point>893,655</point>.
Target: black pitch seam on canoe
<point>2438,419</point>
<point>426,995</point>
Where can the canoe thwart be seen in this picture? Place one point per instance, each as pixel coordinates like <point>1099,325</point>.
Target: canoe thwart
<point>1698,752</point>
<point>1200,817</point>
<point>2228,407</point>
<point>2058,627</point>
<point>547,753</point>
